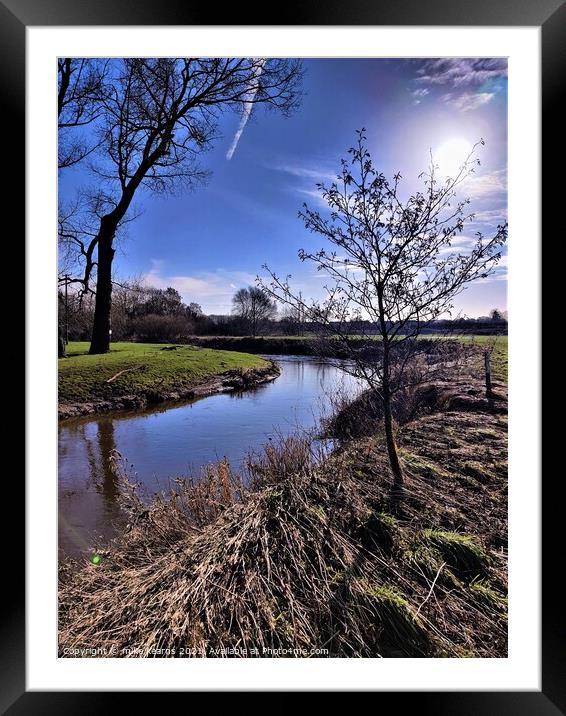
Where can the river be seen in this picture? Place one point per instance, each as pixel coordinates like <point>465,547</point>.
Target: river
<point>177,440</point>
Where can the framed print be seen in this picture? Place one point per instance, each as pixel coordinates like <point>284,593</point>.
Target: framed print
<point>290,439</point>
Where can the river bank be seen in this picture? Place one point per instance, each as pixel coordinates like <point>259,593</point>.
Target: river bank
<point>314,554</point>
<point>136,375</point>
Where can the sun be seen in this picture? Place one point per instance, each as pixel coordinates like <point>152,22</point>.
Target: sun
<point>450,156</point>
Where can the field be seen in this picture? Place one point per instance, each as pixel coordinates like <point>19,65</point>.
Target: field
<point>499,358</point>
<point>306,345</point>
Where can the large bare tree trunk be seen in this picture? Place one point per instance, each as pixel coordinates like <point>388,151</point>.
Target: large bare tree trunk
<point>388,421</point>
<point>100,341</point>
<point>60,344</point>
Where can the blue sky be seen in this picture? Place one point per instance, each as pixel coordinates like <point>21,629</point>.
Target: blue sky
<point>211,241</point>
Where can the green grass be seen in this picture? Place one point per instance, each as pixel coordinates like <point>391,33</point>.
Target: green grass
<point>484,591</point>
<point>392,611</point>
<point>499,355</point>
<point>83,378</point>
<point>460,551</point>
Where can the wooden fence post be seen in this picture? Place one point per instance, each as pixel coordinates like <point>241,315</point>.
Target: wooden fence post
<point>488,391</point>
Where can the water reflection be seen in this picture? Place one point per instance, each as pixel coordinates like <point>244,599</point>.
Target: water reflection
<point>173,440</point>
<point>88,485</point>
<point>108,486</point>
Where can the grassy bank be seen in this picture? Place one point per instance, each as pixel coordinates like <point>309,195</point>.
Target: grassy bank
<point>145,372</point>
<point>314,554</point>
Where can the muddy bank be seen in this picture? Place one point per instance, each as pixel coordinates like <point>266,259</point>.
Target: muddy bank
<point>231,380</point>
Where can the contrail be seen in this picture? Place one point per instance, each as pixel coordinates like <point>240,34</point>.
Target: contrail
<point>248,106</point>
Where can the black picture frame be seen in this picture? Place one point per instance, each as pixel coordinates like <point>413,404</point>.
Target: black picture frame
<point>550,15</point>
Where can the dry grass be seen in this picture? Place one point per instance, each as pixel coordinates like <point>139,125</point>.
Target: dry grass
<point>312,554</point>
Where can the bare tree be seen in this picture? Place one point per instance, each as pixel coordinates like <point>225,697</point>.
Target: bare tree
<point>392,261</point>
<point>81,89</point>
<point>157,118</point>
<point>496,315</point>
<point>194,311</point>
<point>292,317</point>
<point>255,306</point>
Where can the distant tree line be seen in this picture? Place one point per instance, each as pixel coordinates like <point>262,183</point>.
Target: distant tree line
<point>147,314</point>
<point>138,313</point>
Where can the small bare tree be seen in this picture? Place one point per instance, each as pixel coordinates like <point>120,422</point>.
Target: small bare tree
<point>255,306</point>
<point>392,262</point>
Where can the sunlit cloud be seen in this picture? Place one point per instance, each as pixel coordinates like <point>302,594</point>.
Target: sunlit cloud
<point>491,216</point>
<point>472,83</point>
<point>467,101</point>
<point>316,173</point>
<point>419,94</point>
<point>498,274</point>
<point>492,184</point>
<point>304,178</point>
<point>460,72</point>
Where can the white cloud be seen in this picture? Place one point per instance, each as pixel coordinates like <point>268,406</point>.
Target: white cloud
<point>460,72</point>
<point>467,101</point>
<point>499,272</point>
<point>473,82</point>
<point>213,290</point>
<point>462,240</point>
<point>305,178</point>
<point>318,174</point>
<point>419,94</point>
<point>491,216</point>
<point>314,195</point>
<point>459,245</point>
<point>503,262</point>
<point>492,184</point>
<point>243,121</point>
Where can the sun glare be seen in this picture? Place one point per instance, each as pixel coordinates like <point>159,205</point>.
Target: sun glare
<point>450,155</point>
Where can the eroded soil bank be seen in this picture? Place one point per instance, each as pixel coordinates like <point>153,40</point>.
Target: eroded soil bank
<point>231,380</point>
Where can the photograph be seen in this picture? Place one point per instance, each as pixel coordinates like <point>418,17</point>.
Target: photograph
<point>282,357</point>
